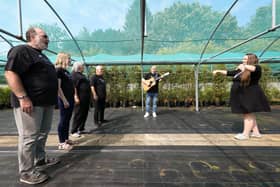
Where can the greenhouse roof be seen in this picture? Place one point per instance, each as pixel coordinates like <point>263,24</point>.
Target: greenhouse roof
<point>147,31</point>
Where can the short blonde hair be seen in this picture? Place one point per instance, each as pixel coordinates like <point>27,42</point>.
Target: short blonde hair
<point>62,60</point>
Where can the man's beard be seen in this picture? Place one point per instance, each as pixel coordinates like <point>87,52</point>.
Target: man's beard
<point>41,44</point>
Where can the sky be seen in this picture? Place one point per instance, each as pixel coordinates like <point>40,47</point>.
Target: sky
<point>103,14</point>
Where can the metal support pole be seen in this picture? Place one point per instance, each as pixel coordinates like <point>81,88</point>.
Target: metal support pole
<point>273,13</point>
<point>20,18</point>
<point>143,32</point>
<point>196,88</point>
<point>142,91</point>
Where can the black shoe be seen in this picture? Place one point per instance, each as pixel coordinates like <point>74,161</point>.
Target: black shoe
<point>43,164</point>
<point>34,178</point>
<point>84,131</point>
<point>105,121</point>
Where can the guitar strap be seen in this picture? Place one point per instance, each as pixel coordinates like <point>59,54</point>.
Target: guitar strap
<point>156,75</point>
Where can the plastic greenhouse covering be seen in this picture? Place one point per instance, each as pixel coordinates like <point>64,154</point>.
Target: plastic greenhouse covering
<point>175,31</point>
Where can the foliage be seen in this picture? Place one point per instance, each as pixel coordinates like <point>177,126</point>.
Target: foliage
<point>182,27</point>
<point>123,86</point>
<point>4,97</point>
<point>57,36</point>
<point>219,85</point>
<point>264,81</point>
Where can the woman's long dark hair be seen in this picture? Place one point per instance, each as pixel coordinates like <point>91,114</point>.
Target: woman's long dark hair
<point>246,75</point>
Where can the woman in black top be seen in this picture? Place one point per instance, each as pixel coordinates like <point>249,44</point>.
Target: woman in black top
<point>65,100</point>
<point>82,99</point>
<point>246,96</point>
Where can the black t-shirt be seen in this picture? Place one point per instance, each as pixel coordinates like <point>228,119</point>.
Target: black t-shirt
<point>99,85</point>
<point>67,85</point>
<point>82,85</point>
<point>37,74</point>
<point>153,89</point>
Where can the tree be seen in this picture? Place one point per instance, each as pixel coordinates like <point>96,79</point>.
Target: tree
<point>132,26</point>
<point>190,22</point>
<point>260,22</point>
<point>57,36</point>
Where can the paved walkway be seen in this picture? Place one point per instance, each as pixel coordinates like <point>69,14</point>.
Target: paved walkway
<point>178,148</point>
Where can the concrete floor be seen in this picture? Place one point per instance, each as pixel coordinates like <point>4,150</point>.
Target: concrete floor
<point>178,148</point>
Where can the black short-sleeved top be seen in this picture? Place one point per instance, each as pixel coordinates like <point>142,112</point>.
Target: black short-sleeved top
<point>82,85</point>
<point>37,74</point>
<point>250,98</point>
<point>99,85</point>
<point>67,85</point>
<point>153,89</point>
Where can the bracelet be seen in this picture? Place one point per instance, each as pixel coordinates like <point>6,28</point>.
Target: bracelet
<point>22,97</point>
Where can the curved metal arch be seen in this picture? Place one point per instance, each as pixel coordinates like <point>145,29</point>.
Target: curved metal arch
<point>202,53</point>
<point>6,40</point>
<point>269,45</point>
<point>216,28</point>
<point>22,39</point>
<point>224,51</point>
<point>68,30</point>
<point>2,61</point>
<point>246,41</point>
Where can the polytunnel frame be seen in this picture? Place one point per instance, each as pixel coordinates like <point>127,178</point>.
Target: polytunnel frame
<point>272,29</point>
<point>142,21</point>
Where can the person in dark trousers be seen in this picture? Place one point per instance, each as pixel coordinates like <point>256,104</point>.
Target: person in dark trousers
<point>65,100</point>
<point>152,93</point>
<point>246,95</point>
<point>98,89</point>
<point>82,99</point>
<point>33,81</point>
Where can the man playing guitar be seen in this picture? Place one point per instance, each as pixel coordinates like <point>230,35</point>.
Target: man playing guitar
<point>152,91</point>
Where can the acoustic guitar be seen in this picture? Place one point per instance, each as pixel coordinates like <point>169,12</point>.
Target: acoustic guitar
<point>147,84</point>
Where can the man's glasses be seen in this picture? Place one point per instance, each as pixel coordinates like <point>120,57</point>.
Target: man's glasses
<point>44,36</point>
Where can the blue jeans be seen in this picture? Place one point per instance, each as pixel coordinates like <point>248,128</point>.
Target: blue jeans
<point>154,97</point>
<point>64,120</point>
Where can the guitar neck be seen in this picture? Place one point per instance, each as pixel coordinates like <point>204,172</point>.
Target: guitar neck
<point>160,77</point>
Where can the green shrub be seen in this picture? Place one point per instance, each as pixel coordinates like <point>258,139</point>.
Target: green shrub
<point>5,97</point>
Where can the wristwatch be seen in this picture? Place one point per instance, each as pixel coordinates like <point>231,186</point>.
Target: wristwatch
<point>22,97</point>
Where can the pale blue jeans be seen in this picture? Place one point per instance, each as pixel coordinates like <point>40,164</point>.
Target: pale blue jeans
<point>154,98</point>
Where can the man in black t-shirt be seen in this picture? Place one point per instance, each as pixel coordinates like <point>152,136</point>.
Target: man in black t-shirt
<point>152,93</point>
<point>98,89</point>
<point>33,81</point>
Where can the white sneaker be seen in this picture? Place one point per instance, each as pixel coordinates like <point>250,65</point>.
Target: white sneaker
<point>64,146</point>
<point>76,135</point>
<point>241,136</point>
<point>146,115</point>
<point>255,135</point>
<point>154,114</point>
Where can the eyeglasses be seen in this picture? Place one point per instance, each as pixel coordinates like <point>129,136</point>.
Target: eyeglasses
<point>44,36</point>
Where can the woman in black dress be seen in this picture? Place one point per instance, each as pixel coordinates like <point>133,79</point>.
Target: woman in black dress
<point>246,95</point>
